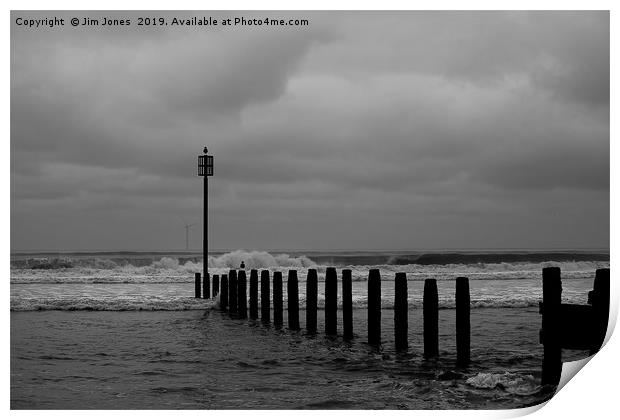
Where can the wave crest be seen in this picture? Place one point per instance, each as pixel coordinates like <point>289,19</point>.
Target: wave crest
<point>230,260</point>
<point>258,260</point>
<point>181,269</point>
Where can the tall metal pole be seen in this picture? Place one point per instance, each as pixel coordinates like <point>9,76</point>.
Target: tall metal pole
<point>205,224</point>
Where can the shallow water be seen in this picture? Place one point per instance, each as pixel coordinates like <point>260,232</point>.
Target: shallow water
<point>206,359</point>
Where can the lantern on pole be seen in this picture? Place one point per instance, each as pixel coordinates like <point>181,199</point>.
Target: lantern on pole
<point>205,169</point>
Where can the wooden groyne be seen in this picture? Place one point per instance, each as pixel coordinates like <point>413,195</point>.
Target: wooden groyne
<point>277,299</point>
<point>206,287</point>
<point>197,285</point>
<point>564,326</point>
<point>347,304</point>
<point>242,295</point>
<point>463,326</point>
<point>401,312</point>
<point>224,293</point>
<point>331,301</point>
<point>312,292</point>
<point>253,294</point>
<point>216,285</point>
<point>568,326</point>
<point>431,319</point>
<point>292,288</point>
<point>232,291</point>
<point>374,307</point>
<point>264,296</point>
<point>233,295</point>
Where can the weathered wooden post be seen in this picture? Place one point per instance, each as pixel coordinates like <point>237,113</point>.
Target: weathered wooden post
<point>242,294</point>
<point>463,326</point>
<point>253,294</point>
<point>197,285</point>
<point>599,299</point>
<point>347,304</point>
<point>206,287</point>
<point>431,319</point>
<point>293,300</point>
<point>224,296</point>
<point>277,299</point>
<point>216,285</point>
<point>401,307</point>
<point>374,307</point>
<point>232,291</point>
<point>265,310</point>
<point>552,350</point>
<point>311,300</point>
<point>331,301</point>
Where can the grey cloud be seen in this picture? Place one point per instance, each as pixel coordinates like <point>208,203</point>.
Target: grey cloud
<point>91,101</point>
<point>557,51</point>
<point>579,167</point>
<point>412,121</point>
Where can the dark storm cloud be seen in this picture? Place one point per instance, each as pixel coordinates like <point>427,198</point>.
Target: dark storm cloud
<point>446,116</point>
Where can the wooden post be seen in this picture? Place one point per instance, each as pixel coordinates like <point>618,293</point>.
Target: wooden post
<point>463,326</point>
<point>311,300</point>
<point>265,310</point>
<point>431,319</point>
<point>206,287</point>
<point>216,285</point>
<point>331,301</point>
<point>599,298</point>
<point>552,350</point>
<point>253,294</point>
<point>293,300</point>
<point>401,307</point>
<point>277,299</point>
<point>347,304</point>
<point>242,294</point>
<point>224,296</point>
<point>197,285</point>
<point>232,291</point>
<point>374,307</point>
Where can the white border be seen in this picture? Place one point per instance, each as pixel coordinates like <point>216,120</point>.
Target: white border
<point>591,394</point>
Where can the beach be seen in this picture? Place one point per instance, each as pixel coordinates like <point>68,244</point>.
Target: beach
<point>133,336</point>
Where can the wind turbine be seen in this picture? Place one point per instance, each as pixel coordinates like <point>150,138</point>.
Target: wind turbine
<point>187,226</point>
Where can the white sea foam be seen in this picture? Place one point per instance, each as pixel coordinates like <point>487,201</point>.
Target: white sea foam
<point>111,304</point>
<point>106,284</point>
<point>169,270</point>
<point>115,297</point>
<point>510,382</point>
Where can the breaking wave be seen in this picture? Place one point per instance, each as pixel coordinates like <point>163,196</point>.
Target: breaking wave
<point>178,270</point>
<point>252,259</point>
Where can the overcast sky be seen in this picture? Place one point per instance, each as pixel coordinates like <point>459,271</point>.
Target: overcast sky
<point>373,130</point>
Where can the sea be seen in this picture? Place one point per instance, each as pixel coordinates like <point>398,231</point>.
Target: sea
<point>123,330</point>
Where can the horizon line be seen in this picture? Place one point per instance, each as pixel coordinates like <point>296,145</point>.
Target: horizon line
<point>313,250</point>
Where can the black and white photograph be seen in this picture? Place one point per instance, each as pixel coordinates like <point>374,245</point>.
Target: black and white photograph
<point>306,209</point>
